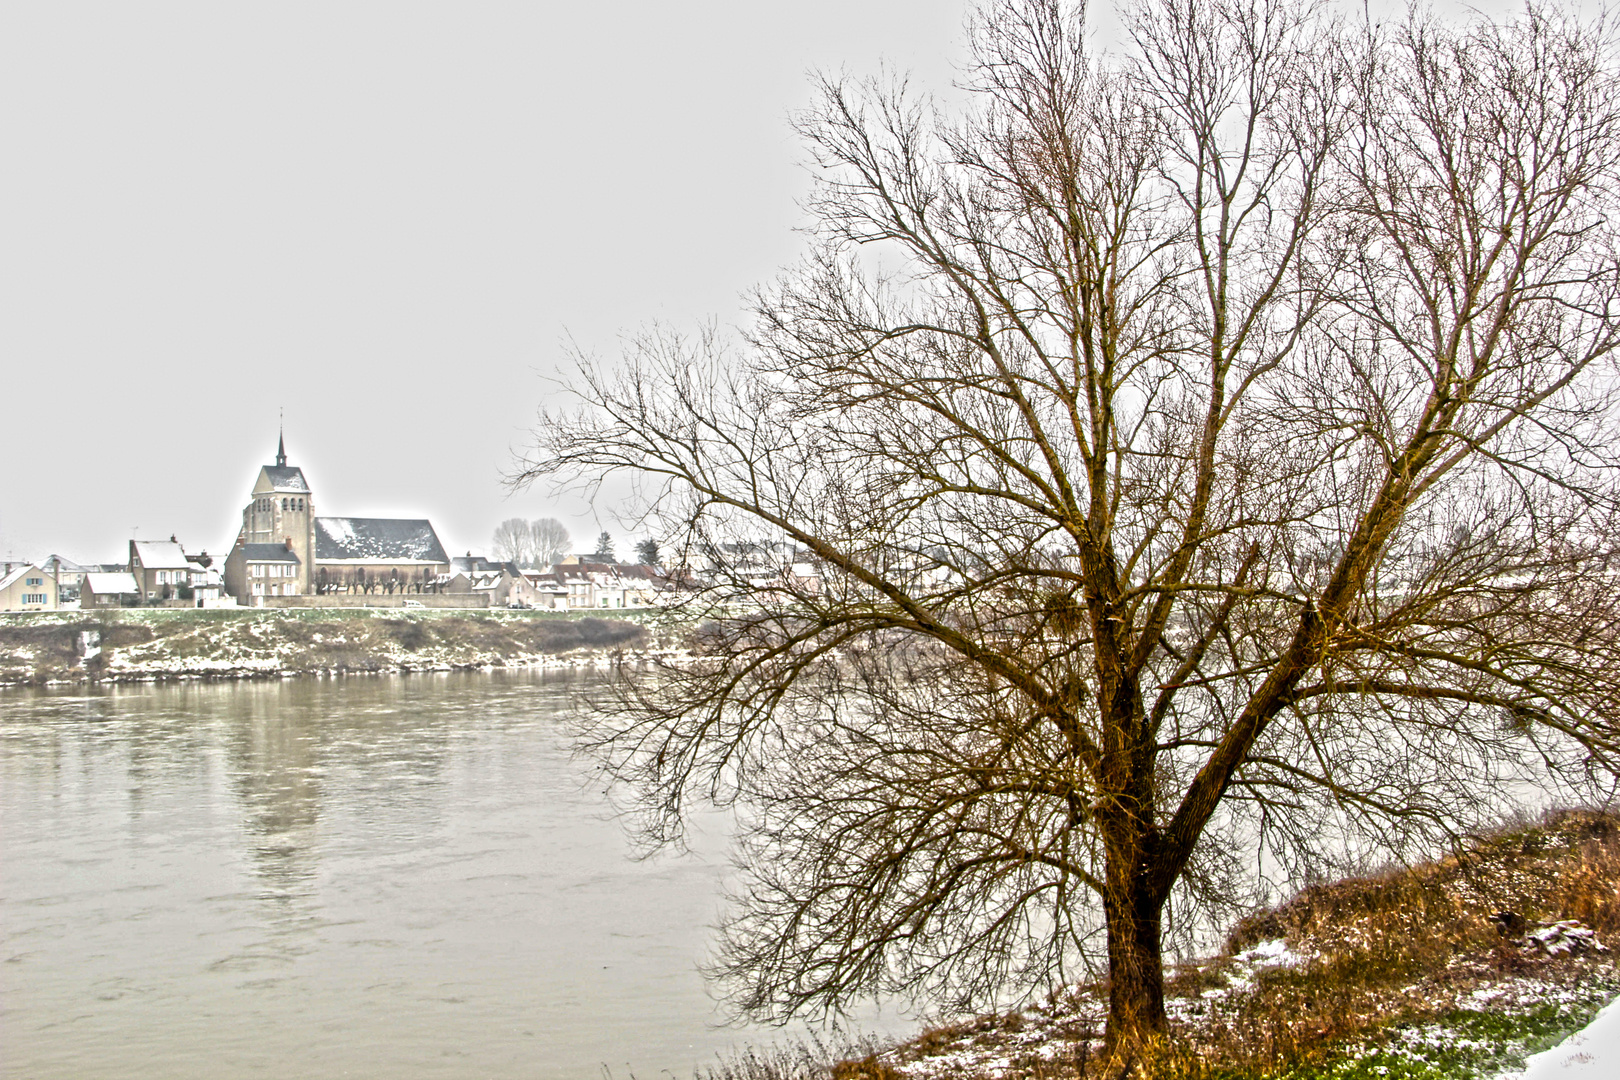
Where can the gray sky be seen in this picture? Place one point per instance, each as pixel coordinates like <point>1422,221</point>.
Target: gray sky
<point>386,218</point>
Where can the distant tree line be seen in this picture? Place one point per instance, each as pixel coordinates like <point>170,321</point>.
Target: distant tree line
<point>533,543</point>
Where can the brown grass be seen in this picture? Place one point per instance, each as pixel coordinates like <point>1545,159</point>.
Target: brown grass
<point>1405,945</point>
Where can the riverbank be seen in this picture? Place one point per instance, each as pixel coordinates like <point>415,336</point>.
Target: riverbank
<point>161,644</point>
<point>1455,969</point>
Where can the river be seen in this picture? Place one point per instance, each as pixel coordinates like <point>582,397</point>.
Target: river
<point>367,877</point>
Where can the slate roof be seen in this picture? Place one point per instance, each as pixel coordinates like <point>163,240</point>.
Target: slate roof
<point>286,478</point>
<point>477,564</point>
<point>160,555</point>
<point>268,553</point>
<point>339,539</point>
<point>107,584</point>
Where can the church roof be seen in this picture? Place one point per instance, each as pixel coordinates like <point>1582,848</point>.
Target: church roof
<point>341,539</point>
<point>286,478</point>
<point>268,553</point>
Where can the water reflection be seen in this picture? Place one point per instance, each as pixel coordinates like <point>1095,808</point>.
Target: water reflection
<point>379,877</point>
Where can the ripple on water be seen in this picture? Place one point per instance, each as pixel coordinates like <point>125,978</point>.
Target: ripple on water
<point>338,877</point>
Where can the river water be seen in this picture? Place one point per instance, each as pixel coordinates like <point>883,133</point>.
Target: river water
<point>368,877</point>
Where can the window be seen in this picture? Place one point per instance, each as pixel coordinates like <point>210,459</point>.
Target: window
<point>35,581</point>
<point>258,569</point>
<point>33,598</point>
<point>284,504</point>
<point>258,588</point>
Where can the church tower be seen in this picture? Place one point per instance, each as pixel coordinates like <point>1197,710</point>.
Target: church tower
<point>281,511</point>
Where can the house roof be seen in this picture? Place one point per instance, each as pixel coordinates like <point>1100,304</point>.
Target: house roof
<point>66,565</point>
<point>477,564</point>
<point>107,584</point>
<point>286,478</point>
<point>160,554</point>
<point>277,553</point>
<point>366,540</point>
<point>11,578</point>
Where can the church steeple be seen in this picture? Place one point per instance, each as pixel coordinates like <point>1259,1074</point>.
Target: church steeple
<point>281,448</point>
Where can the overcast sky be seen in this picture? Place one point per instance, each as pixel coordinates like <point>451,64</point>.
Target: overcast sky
<point>384,218</point>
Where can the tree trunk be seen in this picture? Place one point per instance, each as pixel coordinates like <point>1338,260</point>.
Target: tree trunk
<point>1135,967</point>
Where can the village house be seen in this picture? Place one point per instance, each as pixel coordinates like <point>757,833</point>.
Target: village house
<point>583,585</point>
<point>26,587</point>
<point>160,568</point>
<point>68,575</point>
<point>104,589</point>
<point>164,574</point>
<point>266,569</point>
<point>503,583</point>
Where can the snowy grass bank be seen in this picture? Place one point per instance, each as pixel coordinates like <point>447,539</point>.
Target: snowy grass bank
<point>162,644</point>
<point>1409,975</point>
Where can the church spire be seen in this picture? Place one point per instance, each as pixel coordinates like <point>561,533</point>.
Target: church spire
<point>281,444</point>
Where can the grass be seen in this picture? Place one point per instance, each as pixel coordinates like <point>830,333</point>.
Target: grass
<point>1406,977</point>
<point>180,642</point>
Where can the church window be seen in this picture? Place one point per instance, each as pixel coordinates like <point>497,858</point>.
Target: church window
<point>284,504</point>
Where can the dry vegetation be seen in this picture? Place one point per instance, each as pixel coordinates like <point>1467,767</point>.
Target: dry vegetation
<point>1400,974</point>
<point>212,644</point>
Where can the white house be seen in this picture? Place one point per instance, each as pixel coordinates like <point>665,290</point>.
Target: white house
<point>27,587</point>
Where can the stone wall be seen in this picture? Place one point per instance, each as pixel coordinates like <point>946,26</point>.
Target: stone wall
<point>371,600</point>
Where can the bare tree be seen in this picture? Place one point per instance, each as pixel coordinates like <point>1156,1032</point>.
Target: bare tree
<point>514,541</point>
<point>1214,471</point>
<point>550,540</point>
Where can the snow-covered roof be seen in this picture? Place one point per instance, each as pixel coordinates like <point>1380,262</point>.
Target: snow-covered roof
<point>160,555</point>
<point>367,540</point>
<point>478,564</point>
<point>276,553</point>
<point>108,584</point>
<point>286,478</point>
<point>11,579</point>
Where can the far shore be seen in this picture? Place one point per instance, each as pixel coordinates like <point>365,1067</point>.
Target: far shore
<point>168,644</point>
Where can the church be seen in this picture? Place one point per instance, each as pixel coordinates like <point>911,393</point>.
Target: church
<point>285,550</point>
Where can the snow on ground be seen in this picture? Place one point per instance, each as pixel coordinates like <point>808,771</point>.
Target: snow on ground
<point>1592,1053</point>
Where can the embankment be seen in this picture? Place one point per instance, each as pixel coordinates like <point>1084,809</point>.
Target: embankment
<point>136,645</point>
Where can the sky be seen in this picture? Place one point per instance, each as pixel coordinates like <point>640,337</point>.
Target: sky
<point>386,221</point>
